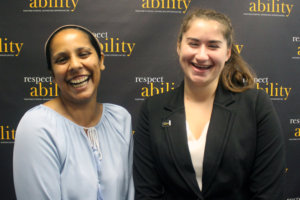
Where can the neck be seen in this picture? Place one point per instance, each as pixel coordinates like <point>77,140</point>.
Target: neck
<point>85,114</point>
<point>199,94</point>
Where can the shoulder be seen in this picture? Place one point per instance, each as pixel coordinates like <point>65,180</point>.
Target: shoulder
<point>163,97</point>
<point>34,112</point>
<point>117,119</point>
<point>36,117</point>
<point>254,93</point>
<point>256,100</point>
<point>161,100</point>
<point>38,122</point>
<point>253,96</point>
<point>115,111</point>
<point>38,130</point>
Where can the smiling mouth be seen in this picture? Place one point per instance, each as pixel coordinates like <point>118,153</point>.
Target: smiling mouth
<point>202,66</point>
<point>79,82</point>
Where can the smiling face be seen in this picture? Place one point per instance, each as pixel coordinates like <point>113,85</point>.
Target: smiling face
<point>75,65</point>
<point>203,52</point>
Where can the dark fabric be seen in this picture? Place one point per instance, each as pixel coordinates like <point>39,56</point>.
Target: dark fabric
<point>244,154</point>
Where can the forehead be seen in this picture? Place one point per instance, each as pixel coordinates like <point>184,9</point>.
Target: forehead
<point>205,26</point>
<point>69,36</point>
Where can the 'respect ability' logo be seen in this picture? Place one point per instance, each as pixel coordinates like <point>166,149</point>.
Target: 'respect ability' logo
<point>40,88</point>
<point>152,86</point>
<point>51,6</point>
<point>239,48</point>
<point>273,89</point>
<point>7,134</point>
<point>273,8</point>
<point>164,6</point>
<point>295,125</point>
<point>10,48</point>
<point>114,46</point>
<point>296,40</point>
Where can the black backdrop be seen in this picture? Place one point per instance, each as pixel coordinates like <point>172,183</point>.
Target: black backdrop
<point>139,41</point>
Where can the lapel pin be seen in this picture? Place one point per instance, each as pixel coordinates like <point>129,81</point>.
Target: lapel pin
<point>166,123</point>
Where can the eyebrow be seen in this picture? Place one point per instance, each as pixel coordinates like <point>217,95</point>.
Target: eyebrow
<point>210,41</point>
<point>77,50</point>
<point>84,48</point>
<point>58,55</point>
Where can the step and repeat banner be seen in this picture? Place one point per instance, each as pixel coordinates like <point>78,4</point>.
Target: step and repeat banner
<point>138,38</point>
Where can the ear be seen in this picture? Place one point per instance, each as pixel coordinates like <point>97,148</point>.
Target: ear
<point>178,48</point>
<point>53,77</point>
<point>228,54</point>
<point>101,63</point>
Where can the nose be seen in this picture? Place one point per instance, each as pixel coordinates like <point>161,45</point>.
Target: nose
<point>202,53</point>
<point>75,63</point>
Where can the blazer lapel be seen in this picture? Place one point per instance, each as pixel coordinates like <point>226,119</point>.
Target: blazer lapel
<point>218,132</point>
<point>175,129</point>
<point>217,136</point>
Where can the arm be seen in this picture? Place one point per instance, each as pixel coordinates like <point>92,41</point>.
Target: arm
<point>267,177</point>
<point>130,195</point>
<point>146,180</point>
<point>36,165</point>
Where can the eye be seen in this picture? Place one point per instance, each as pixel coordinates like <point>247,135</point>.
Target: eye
<point>61,60</point>
<point>84,54</point>
<point>193,44</point>
<point>213,46</point>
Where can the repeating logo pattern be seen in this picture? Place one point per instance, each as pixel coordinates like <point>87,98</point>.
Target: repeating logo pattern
<point>7,134</point>
<point>273,89</point>
<point>40,88</point>
<point>151,86</point>
<point>275,8</point>
<point>296,41</point>
<point>164,6</point>
<point>9,47</point>
<point>114,46</point>
<point>51,6</point>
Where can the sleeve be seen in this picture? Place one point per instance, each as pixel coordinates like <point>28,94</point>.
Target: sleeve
<point>146,180</point>
<point>130,195</point>
<point>268,174</point>
<point>36,166</point>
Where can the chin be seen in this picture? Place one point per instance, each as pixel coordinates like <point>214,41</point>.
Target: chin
<point>83,98</point>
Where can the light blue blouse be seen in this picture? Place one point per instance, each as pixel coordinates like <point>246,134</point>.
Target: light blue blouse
<point>53,157</point>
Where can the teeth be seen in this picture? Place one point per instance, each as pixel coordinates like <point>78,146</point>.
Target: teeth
<point>80,84</point>
<point>79,80</point>
<point>201,66</point>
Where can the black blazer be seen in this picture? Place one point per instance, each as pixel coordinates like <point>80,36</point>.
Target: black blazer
<point>244,154</point>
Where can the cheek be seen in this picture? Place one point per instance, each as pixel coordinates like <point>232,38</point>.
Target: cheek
<point>96,72</point>
<point>92,63</point>
<point>58,74</point>
<point>186,53</point>
<point>220,57</point>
